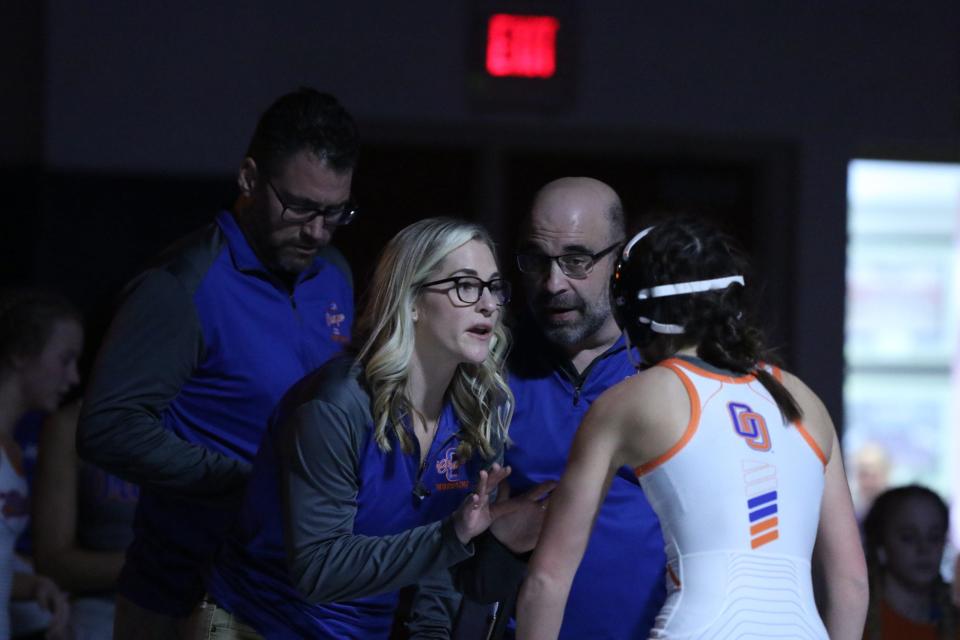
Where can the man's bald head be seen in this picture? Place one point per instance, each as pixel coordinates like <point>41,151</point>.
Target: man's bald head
<point>573,217</point>
<point>582,198</point>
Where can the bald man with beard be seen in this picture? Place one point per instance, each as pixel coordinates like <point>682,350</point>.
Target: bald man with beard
<point>568,351</point>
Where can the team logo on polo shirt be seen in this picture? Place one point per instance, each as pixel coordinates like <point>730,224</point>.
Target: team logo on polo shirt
<point>450,468</point>
<point>334,320</point>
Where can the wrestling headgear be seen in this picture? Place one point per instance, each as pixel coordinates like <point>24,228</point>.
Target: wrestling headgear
<point>635,298</point>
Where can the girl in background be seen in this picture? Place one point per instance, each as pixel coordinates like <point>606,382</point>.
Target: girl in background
<point>905,532</point>
<point>41,339</point>
<point>83,523</point>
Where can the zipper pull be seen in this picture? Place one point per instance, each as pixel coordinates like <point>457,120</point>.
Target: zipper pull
<point>419,491</point>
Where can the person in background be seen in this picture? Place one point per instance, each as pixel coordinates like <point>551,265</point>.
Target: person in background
<point>206,342</point>
<point>905,532</point>
<point>871,473</point>
<point>83,523</point>
<point>739,459</point>
<point>956,581</point>
<point>41,339</point>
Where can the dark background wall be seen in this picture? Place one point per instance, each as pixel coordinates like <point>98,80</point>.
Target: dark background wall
<point>122,124</point>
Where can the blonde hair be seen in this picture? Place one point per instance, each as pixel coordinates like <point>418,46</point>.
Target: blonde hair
<point>479,393</point>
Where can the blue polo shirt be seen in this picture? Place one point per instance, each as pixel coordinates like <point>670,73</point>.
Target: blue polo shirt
<point>619,586</point>
<point>381,514</point>
<point>203,347</point>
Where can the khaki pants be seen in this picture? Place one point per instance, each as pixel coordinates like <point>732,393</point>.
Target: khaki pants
<point>133,622</point>
<point>210,622</point>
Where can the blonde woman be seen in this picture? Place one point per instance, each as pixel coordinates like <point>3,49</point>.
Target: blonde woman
<point>376,471</point>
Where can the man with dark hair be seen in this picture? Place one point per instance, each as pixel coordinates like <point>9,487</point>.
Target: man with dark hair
<point>206,342</point>
<point>568,351</point>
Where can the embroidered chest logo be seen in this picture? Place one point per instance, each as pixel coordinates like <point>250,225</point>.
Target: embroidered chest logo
<point>449,467</point>
<point>334,319</point>
<point>750,425</point>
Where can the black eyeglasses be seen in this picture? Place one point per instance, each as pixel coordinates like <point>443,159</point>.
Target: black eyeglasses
<point>470,288</point>
<point>573,265</point>
<point>337,215</point>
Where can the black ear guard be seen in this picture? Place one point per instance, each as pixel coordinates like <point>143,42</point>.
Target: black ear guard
<point>627,309</point>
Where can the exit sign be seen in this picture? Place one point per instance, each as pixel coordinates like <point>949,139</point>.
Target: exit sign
<point>522,46</point>
<point>521,55</point>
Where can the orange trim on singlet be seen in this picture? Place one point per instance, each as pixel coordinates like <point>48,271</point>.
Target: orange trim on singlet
<point>673,576</point>
<point>764,525</point>
<point>691,426</point>
<point>764,539</point>
<point>778,374</point>
<point>810,441</point>
<point>709,374</point>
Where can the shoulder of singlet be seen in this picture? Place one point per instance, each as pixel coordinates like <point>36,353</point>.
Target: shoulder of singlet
<point>814,414</point>
<point>662,380</point>
<point>703,368</point>
<point>642,391</point>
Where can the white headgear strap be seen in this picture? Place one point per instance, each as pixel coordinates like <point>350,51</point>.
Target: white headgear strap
<point>686,288</point>
<point>634,240</point>
<point>681,288</point>
<point>659,327</point>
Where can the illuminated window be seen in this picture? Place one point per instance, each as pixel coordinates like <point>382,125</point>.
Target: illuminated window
<point>901,349</point>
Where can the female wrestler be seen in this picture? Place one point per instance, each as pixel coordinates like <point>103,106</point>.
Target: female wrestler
<point>740,461</point>
<point>905,532</point>
<point>373,474</point>
<point>41,338</point>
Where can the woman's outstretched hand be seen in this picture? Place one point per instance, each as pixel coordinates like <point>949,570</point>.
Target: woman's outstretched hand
<point>474,515</point>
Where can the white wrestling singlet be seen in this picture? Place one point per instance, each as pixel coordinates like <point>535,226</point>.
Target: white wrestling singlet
<point>739,501</point>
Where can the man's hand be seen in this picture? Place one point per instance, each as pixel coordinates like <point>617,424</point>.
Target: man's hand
<point>517,521</point>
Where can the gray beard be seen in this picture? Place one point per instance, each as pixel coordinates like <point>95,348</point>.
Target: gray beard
<point>573,335</point>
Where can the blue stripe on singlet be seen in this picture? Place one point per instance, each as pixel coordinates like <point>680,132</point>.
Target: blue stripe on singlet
<point>761,499</point>
<point>763,513</point>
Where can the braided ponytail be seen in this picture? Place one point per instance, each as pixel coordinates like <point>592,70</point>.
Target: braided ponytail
<point>686,250</point>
